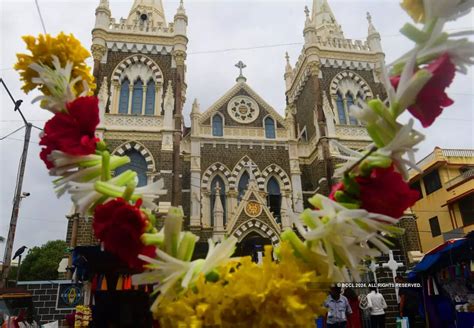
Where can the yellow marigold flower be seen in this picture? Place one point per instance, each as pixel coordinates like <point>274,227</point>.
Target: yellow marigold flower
<point>66,48</point>
<point>273,294</point>
<point>415,9</point>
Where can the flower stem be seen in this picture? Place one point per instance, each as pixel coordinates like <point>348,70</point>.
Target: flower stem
<point>186,246</point>
<point>129,189</point>
<point>172,229</point>
<point>414,34</point>
<point>106,174</point>
<point>353,166</point>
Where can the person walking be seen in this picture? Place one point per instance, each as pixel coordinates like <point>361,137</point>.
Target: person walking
<point>409,301</point>
<point>338,309</point>
<point>377,305</point>
<point>354,320</point>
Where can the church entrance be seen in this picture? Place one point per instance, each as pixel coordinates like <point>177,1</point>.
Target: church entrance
<point>252,245</point>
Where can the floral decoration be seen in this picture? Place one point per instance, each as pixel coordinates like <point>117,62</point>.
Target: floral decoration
<point>327,243</point>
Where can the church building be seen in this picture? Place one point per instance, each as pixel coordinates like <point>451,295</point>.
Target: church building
<point>241,168</point>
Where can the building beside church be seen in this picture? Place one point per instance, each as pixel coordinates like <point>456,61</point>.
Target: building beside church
<point>445,209</point>
<point>241,168</point>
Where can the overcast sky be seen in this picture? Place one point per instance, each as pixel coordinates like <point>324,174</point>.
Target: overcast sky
<point>213,26</point>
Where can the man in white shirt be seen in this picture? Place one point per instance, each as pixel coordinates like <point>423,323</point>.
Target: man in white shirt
<point>377,305</point>
<point>338,309</point>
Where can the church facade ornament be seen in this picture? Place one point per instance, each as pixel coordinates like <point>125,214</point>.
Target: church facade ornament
<point>243,109</point>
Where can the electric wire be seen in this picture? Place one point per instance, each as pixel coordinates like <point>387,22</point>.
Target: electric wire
<point>40,16</point>
<point>6,136</point>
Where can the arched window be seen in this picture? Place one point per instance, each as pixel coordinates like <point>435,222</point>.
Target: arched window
<point>137,164</point>
<point>243,183</point>
<point>341,112</point>
<point>217,181</point>
<point>274,198</point>
<point>269,128</point>
<point>137,97</point>
<point>350,102</point>
<point>124,96</point>
<point>150,98</point>
<point>217,126</point>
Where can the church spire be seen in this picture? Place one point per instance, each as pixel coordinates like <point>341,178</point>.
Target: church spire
<point>373,37</point>
<point>218,210</point>
<point>324,20</point>
<point>102,15</point>
<point>143,10</point>
<point>288,72</point>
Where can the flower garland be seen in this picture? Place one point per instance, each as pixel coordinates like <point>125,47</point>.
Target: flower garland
<point>335,236</point>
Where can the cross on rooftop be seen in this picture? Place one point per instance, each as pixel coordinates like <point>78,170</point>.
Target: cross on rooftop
<point>240,65</point>
<point>369,17</point>
<point>306,11</point>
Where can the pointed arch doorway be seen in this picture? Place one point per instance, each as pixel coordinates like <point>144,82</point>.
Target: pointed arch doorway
<point>252,245</point>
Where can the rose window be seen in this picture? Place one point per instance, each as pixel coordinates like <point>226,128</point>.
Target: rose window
<point>243,109</point>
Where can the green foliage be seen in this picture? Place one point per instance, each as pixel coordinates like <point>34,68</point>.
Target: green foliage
<point>41,263</point>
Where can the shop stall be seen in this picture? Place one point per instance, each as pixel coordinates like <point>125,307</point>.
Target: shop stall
<point>447,274</point>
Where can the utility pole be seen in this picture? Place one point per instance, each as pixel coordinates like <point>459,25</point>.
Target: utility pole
<point>17,197</point>
<point>73,243</point>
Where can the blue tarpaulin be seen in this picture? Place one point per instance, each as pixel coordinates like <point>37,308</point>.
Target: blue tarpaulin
<point>448,253</point>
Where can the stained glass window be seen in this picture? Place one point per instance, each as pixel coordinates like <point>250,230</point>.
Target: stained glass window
<point>269,128</point>
<point>150,98</point>
<point>350,102</point>
<point>274,198</point>
<point>124,96</point>
<point>137,164</point>
<point>137,97</point>
<point>341,112</point>
<point>217,126</point>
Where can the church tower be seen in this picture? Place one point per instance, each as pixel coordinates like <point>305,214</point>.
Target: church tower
<point>331,74</point>
<point>139,66</point>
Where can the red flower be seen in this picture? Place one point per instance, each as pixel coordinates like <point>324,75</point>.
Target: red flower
<point>432,98</point>
<point>72,132</point>
<point>337,187</point>
<point>119,226</point>
<point>385,192</point>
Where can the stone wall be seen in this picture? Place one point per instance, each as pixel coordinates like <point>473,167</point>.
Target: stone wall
<point>230,155</point>
<point>85,234</point>
<point>305,107</point>
<point>45,295</point>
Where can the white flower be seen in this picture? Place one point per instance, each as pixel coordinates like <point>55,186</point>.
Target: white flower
<point>461,52</point>
<point>402,144</point>
<point>58,81</point>
<point>350,156</point>
<point>173,275</point>
<point>343,235</point>
<point>410,85</point>
<point>64,163</point>
<point>81,169</point>
<point>447,9</point>
<point>150,193</point>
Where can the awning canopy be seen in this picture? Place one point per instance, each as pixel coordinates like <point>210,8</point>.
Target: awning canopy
<point>448,253</point>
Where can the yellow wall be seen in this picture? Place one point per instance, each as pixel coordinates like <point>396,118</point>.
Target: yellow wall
<point>435,204</point>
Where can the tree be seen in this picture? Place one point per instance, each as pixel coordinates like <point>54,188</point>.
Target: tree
<point>41,263</point>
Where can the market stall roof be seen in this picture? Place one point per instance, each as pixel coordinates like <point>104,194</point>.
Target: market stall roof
<point>450,252</point>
